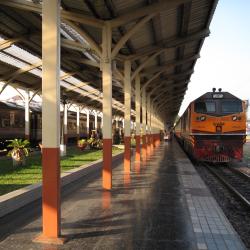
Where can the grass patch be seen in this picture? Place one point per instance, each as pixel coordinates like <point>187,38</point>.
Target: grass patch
<point>15,178</point>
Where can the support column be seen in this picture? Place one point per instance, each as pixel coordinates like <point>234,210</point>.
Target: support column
<point>95,121</point>
<point>87,122</point>
<point>123,124</point>
<point>144,146</point>
<point>27,115</point>
<point>116,122</point>
<point>107,107</point>
<point>65,124</point>
<point>78,122</point>
<point>127,116</point>
<point>138,116</point>
<point>151,128</point>
<point>148,125</point>
<point>51,204</point>
<point>101,121</point>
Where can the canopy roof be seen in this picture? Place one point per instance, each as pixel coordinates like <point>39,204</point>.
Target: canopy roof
<point>162,39</point>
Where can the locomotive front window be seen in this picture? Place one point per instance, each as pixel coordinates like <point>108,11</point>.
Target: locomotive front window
<point>205,107</point>
<point>230,107</point>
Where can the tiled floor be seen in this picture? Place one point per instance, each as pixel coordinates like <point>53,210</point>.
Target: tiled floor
<point>162,204</point>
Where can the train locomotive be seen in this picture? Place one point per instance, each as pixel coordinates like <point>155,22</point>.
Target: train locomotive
<point>213,127</point>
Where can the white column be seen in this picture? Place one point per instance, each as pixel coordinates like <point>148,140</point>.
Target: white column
<point>65,120</point>
<point>138,104</point>
<point>127,115</point>
<point>117,122</point>
<point>101,121</point>
<point>144,111</point>
<point>96,120</point>
<point>87,121</point>
<point>123,124</point>
<point>127,98</point>
<point>51,216</point>
<point>27,115</point>
<point>106,62</point>
<point>148,115</point>
<point>107,83</point>
<point>78,121</point>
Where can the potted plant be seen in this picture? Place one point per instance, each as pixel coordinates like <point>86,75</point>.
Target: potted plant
<point>98,144</point>
<point>82,144</point>
<point>19,150</point>
<point>91,142</point>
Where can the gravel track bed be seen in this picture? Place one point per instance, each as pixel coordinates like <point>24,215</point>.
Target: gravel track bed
<point>237,214</point>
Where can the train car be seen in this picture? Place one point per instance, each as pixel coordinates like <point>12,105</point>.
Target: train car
<point>12,123</point>
<point>213,127</point>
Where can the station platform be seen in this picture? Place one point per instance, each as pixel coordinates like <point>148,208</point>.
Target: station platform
<point>162,204</point>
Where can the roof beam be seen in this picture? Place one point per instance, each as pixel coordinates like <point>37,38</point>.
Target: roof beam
<point>7,43</point>
<point>74,45</point>
<point>9,78</point>
<point>82,60</point>
<point>87,37</point>
<point>131,32</point>
<point>175,101</point>
<point>149,9</point>
<point>175,84</point>
<point>173,63</point>
<point>173,42</point>
<point>145,85</point>
<point>177,94</point>
<point>67,15</point>
<point>149,59</point>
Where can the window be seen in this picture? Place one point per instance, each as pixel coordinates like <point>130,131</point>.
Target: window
<point>230,107</point>
<point>205,107</point>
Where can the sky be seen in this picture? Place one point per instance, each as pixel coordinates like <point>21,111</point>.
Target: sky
<point>225,55</point>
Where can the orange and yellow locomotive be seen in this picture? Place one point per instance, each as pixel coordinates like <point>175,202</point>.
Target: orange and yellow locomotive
<point>213,127</point>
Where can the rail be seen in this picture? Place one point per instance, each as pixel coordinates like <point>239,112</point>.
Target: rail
<point>234,180</point>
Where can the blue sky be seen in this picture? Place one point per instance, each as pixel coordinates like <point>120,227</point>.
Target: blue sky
<point>225,55</point>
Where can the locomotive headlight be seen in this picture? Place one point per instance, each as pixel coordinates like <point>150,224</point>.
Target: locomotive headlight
<point>203,118</point>
<point>234,118</point>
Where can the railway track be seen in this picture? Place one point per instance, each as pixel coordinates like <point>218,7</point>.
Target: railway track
<point>236,181</point>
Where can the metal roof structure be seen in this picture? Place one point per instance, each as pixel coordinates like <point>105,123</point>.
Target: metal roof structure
<point>162,39</point>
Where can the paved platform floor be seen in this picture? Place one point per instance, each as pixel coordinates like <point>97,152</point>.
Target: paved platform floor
<point>162,204</point>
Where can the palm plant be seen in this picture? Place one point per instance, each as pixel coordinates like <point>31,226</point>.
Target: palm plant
<point>19,151</point>
<point>82,144</point>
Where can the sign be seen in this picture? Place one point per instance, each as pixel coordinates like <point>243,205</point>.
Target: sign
<point>218,96</point>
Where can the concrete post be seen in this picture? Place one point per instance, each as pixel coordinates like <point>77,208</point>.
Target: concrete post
<point>138,116</point>
<point>96,121</point>
<point>148,124</point>
<point>65,124</point>
<point>107,106</point>
<point>51,204</point>
<point>78,122</point>
<point>127,116</point>
<point>87,121</point>
<point>27,115</point>
<point>151,127</point>
<point>144,146</point>
<point>117,122</point>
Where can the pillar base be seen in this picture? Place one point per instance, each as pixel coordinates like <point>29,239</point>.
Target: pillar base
<point>148,145</point>
<point>127,154</point>
<point>107,164</point>
<point>138,148</point>
<point>144,147</point>
<point>50,240</point>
